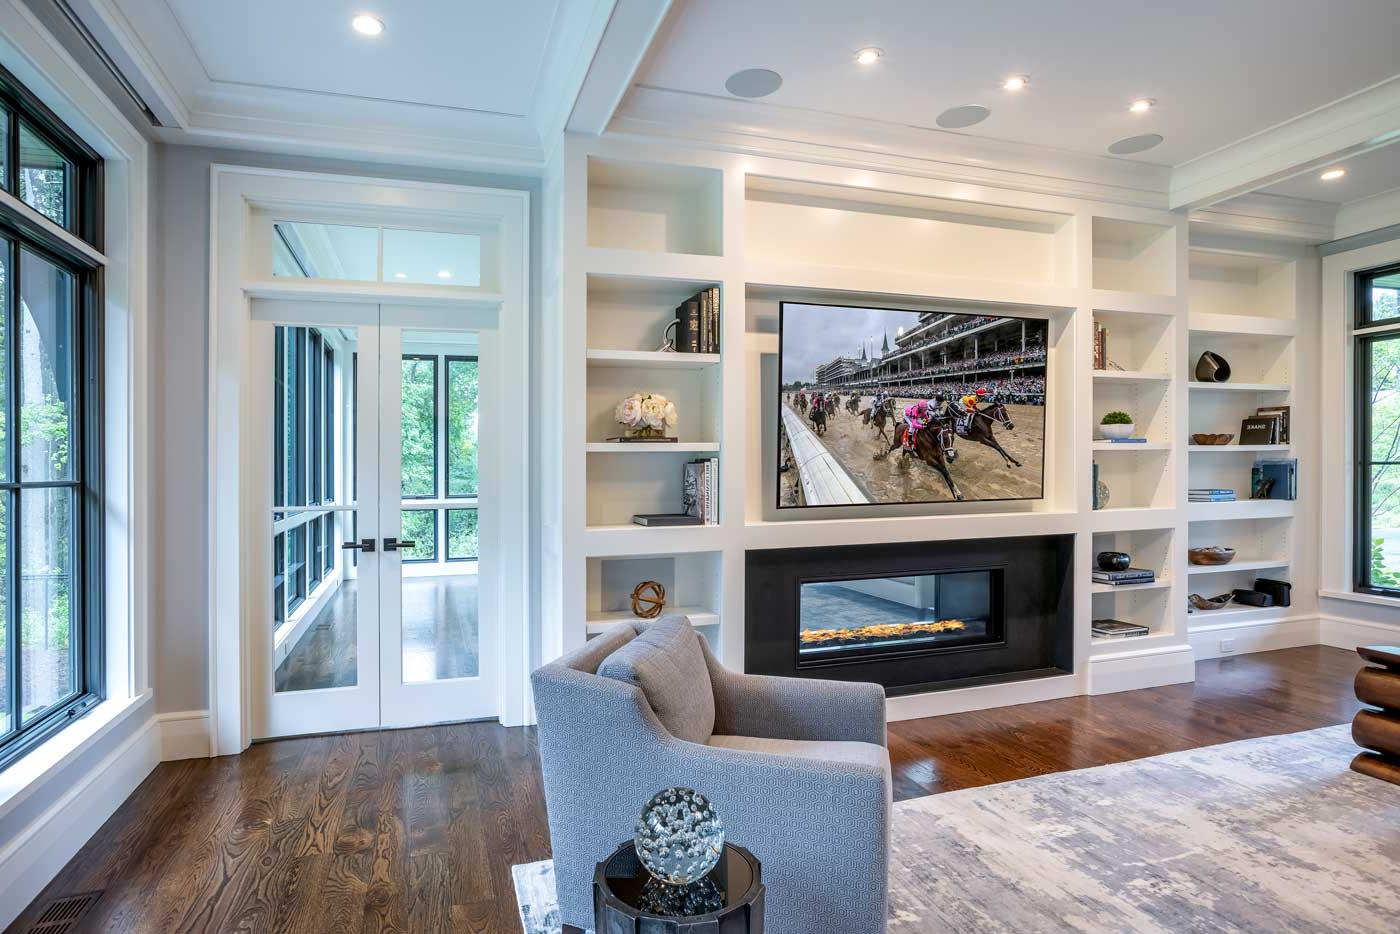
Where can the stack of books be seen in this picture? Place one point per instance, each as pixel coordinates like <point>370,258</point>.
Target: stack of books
<point>1269,424</point>
<point>699,497</point>
<point>1210,495</point>
<point>697,322</point>
<point>1117,629</point>
<point>1100,347</point>
<point>1125,576</point>
<point>1274,479</point>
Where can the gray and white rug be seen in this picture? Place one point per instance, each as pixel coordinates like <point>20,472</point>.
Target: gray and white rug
<point>1264,835</point>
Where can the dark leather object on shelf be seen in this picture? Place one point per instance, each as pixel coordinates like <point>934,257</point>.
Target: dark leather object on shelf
<point>1252,598</point>
<point>1280,591</point>
<point>1114,560</point>
<point>1212,368</point>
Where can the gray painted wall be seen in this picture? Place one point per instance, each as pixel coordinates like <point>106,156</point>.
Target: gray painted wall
<point>179,395</point>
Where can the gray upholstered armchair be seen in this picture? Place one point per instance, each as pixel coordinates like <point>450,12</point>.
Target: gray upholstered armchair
<point>796,768</point>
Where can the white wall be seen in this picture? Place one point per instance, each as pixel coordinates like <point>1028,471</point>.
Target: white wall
<point>180,337</point>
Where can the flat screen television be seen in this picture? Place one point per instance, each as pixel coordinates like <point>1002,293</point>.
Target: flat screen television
<point>882,406</point>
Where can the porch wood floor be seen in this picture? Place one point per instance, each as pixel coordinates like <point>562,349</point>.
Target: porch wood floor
<point>416,830</point>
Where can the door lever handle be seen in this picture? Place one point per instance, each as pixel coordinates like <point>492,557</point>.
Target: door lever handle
<point>393,544</point>
<point>366,545</point>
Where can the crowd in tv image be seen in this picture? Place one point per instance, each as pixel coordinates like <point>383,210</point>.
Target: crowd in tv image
<point>884,406</point>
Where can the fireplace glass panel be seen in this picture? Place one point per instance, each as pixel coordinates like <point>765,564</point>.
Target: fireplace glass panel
<point>920,612</point>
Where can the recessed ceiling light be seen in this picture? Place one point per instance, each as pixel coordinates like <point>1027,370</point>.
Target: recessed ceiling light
<point>955,118</point>
<point>1016,83</point>
<point>1142,105</point>
<point>444,274</point>
<point>367,24</point>
<point>1331,175</point>
<point>869,55</point>
<point>400,275</point>
<point>1135,144</point>
<point>753,82</point>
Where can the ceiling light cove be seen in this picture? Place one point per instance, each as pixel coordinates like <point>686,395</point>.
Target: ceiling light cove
<point>444,274</point>
<point>1142,105</point>
<point>869,55</point>
<point>1332,175</point>
<point>1016,83</point>
<point>367,24</point>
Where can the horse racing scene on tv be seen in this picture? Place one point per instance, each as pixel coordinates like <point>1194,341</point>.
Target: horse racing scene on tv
<point>880,406</point>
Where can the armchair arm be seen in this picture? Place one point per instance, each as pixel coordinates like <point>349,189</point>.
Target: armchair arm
<point>796,708</point>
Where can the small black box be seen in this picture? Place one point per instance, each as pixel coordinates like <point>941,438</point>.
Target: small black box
<point>1280,591</point>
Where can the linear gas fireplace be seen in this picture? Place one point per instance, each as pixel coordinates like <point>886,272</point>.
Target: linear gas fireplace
<point>913,616</point>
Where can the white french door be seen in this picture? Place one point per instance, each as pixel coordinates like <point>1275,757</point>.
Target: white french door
<point>379,604</point>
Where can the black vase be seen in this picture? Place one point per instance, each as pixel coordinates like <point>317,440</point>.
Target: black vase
<point>1212,368</point>
<point>1114,560</point>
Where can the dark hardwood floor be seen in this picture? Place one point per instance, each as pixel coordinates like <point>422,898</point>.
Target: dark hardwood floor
<point>416,830</point>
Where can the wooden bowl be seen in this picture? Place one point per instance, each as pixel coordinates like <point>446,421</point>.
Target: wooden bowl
<point>1212,439</point>
<point>1211,555</point>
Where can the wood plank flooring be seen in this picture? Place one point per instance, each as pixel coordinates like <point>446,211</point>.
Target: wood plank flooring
<point>416,830</point>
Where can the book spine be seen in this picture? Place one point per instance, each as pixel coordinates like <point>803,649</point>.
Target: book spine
<point>690,327</point>
<point>714,490</point>
<point>718,318</point>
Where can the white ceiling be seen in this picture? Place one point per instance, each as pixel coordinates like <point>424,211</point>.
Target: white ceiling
<point>1368,175</point>
<point>1221,70</point>
<point>468,55</point>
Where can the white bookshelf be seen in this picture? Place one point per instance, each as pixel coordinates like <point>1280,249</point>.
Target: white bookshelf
<point>646,225</point>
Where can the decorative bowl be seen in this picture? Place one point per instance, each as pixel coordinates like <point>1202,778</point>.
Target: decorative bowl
<point>1117,431</point>
<point>1211,555</point>
<point>1212,439</point>
<point>1114,560</point>
<point>1199,602</point>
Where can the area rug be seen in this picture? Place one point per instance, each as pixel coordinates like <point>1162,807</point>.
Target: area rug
<point>1264,835</point>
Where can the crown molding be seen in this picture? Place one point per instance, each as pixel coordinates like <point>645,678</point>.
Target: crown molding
<point>574,43</point>
<point>1368,214</point>
<point>1272,216</point>
<point>631,27</point>
<point>792,133</point>
<point>1355,124</point>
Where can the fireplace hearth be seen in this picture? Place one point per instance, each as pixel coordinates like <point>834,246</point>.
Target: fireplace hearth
<point>913,616</point>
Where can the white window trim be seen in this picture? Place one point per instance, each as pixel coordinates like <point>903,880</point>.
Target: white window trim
<point>1337,582</point>
<point>237,195</point>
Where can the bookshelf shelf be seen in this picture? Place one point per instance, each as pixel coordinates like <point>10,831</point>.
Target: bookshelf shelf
<point>652,359</point>
<point>1131,446</point>
<point>1130,376</point>
<point>629,447</point>
<point>1238,387</point>
<point>1239,448</point>
<point>699,616</point>
<point>1249,564</point>
<point>1160,583</point>
<point>1242,509</point>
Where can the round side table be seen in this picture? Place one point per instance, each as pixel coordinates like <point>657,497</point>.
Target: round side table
<point>627,900</point>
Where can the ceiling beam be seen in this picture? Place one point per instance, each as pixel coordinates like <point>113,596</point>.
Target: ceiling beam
<point>625,43</point>
<point>1348,127</point>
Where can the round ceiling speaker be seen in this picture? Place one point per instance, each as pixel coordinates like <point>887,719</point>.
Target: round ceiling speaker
<point>1135,144</point>
<point>956,118</point>
<point>753,82</point>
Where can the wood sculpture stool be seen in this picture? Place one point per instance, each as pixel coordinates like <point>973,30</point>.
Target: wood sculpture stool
<point>1378,684</point>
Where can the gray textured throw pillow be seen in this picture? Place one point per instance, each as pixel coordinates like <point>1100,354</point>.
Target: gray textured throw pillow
<point>667,663</point>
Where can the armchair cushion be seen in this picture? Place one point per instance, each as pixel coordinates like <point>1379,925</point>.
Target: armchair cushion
<point>851,753</point>
<point>666,662</point>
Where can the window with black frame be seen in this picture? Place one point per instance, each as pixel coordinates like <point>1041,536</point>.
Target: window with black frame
<point>1376,549</point>
<point>50,430</point>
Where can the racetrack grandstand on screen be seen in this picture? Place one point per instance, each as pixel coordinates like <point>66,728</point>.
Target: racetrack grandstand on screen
<point>881,406</point>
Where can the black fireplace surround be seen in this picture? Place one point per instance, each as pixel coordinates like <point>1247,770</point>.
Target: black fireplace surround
<point>1019,590</point>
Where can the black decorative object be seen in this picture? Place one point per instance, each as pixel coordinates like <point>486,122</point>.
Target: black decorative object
<point>1281,592</point>
<point>1212,368</point>
<point>1114,560</point>
<point>627,899</point>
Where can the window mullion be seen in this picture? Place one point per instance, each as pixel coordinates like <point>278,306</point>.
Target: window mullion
<point>12,541</point>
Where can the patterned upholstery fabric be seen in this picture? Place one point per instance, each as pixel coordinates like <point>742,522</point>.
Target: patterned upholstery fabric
<point>820,825</point>
<point>667,663</point>
<point>836,751</point>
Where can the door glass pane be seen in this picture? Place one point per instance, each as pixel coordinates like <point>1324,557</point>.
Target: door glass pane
<point>315,612</point>
<point>419,426</point>
<point>1381,296</point>
<point>426,256</point>
<point>325,251</point>
<point>45,177</point>
<point>4,612</point>
<point>5,317</point>
<point>45,364</point>
<point>439,602</point>
<point>461,426</point>
<point>46,588</point>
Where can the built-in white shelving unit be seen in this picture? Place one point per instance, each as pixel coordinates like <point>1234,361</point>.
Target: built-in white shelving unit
<point>645,226</point>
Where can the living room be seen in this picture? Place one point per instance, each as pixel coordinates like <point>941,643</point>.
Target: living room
<point>700,466</point>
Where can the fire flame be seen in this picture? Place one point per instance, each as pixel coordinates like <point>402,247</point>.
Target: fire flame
<point>882,631</point>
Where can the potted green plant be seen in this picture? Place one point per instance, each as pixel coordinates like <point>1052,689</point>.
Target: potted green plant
<point>1117,425</point>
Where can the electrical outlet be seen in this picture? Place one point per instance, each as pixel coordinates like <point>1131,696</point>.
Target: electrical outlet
<point>1227,645</point>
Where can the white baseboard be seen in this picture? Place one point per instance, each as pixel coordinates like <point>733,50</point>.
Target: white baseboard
<point>45,845</point>
<point>982,697</point>
<point>1147,668</point>
<point>184,734</point>
<point>1344,633</point>
<point>1253,636</point>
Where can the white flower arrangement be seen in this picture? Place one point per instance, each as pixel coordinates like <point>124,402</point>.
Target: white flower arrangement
<point>644,411</point>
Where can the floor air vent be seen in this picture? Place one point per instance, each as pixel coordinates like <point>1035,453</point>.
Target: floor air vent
<point>62,915</point>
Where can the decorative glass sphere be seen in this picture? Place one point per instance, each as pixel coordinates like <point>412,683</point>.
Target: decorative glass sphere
<point>679,836</point>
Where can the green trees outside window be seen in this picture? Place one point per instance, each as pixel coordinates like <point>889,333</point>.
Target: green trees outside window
<point>419,427</point>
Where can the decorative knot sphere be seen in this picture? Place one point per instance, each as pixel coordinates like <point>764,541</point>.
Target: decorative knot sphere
<point>679,836</point>
<point>648,599</point>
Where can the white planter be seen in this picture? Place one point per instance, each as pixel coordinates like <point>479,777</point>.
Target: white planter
<point>1117,431</point>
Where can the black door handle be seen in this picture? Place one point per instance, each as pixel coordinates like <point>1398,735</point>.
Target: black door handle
<point>393,544</point>
<point>366,545</point>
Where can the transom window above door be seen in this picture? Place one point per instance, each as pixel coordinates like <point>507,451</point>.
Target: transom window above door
<point>365,253</point>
